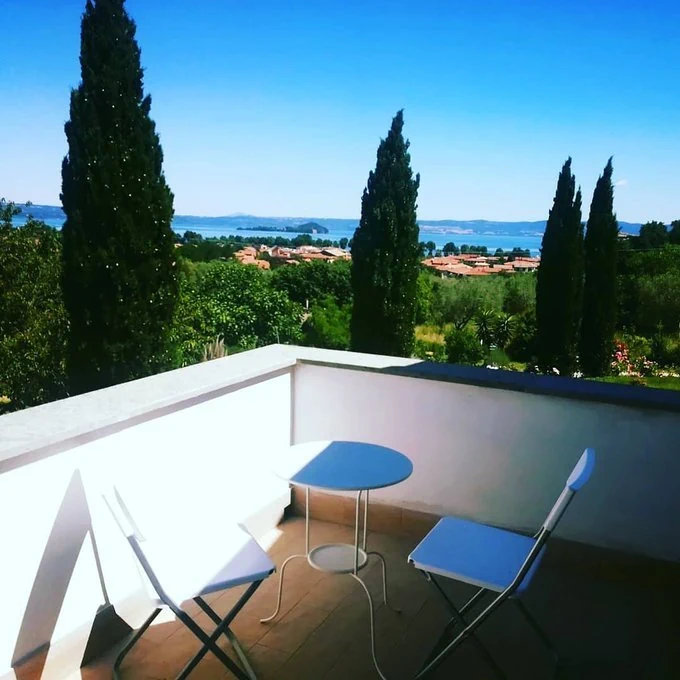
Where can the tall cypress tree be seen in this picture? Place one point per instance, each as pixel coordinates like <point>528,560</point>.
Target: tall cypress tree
<point>385,252</point>
<point>599,299</point>
<point>120,282</point>
<point>559,286</point>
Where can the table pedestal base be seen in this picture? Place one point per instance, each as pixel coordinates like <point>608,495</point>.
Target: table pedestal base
<point>341,558</point>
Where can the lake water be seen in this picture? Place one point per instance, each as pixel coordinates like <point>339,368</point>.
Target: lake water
<point>438,235</point>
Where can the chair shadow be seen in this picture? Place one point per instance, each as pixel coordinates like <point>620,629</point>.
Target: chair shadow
<point>69,531</point>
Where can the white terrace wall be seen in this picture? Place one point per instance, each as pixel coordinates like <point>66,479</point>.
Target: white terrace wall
<point>502,457</point>
<point>202,463</point>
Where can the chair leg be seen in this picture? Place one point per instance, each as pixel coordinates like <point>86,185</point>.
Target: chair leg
<point>537,629</point>
<point>133,641</point>
<point>468,631</point>
<point>458,618</point>
<point>230,635</point>
<point>210,641</point>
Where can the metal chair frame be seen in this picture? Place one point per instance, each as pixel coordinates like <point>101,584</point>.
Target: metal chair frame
<point>222,627</point>
<point>448,642</point>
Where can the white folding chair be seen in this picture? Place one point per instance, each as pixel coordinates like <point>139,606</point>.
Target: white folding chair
<point>178,572</point>
<point>495,561</point>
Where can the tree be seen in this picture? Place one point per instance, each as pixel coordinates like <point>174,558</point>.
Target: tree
<point>520,294</point>
<point>344,243</point>
<point>450,248</point>
<point>431,247</point>
<point>459,301</point>
<point>559,284</point>
<point>599,296</point>
<point>120,281</point>
<point>328,325</point>
<point>674,233</point>
<point>386,256</point>
<point>310,282</point>
<point>33,323</point>
<point>462,347</point>
<point>235,302</point>
<point>652,235</point>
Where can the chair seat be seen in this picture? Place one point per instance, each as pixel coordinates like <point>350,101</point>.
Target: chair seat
<point>475,553</point>
<point>199,564</point>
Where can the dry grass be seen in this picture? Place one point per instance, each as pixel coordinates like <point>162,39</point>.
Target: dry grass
<point>430,333</point>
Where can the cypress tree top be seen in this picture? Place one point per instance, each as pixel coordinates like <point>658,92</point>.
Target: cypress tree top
<point>120,281</point>
<point>559,284</point>
<point>385,252</point>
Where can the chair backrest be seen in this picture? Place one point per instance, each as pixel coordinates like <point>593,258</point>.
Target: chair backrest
<point>578,477</point>
<point>127,525</point>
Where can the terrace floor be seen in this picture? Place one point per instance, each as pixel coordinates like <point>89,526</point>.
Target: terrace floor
<point>603,626</point>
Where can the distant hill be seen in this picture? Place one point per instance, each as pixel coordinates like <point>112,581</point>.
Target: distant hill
<point>324,225</point>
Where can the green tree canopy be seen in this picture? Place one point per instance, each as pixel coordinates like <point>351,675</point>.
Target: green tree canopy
<point>328,324</point>
<point>120,281</point>
<point>559,285</point>
<point>33,323</point>
<point>313,281</point>
<point>235,302</point>
<point>652,235</point>
<point>599,298</point>
<point>458,301</point>
<point>386,253</point>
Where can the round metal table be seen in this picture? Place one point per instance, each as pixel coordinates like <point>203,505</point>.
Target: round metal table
<point>342,466</point>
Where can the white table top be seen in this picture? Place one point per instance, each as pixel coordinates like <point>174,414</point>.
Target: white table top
<point>342,465</point>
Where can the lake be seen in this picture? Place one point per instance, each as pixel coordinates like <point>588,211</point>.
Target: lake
<point>439,235</point>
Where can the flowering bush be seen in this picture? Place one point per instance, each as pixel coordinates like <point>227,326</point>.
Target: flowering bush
<point>625,363</point>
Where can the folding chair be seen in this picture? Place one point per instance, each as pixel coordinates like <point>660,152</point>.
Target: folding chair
<point>495,561</point>
<point>177,576</point>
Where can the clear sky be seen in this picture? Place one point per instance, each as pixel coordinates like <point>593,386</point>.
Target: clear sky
<point>276,107</point>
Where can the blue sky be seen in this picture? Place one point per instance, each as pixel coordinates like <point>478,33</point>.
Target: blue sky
<point>276,108</point>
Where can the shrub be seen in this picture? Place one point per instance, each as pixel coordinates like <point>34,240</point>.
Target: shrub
<point>665,349</point>
<point>328,325</point>
<point>625,363</point>
<point>430,351</point>
<point>522,345</point>
<point>462,347</point>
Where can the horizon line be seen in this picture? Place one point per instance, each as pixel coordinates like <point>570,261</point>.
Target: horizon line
<point>317,217</point>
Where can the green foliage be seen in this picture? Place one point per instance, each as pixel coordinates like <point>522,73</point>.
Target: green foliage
<point>424,297</point>
<point>599,299</point>
<point>674,233</point>
<point>522,343</point>
<point>463,347</point>
<point>485,322</point>
<point>233,301</point>
<point>120,281</point>
<point>430,246</point>
<point>520,293</point>
<point>450,248</point>
<point>458,301</point>
<point>206,250</point>
<point>386,254</point>
<point>328,325</point>
<point>559,286</point>
<point>652,235</point>
<point>428,350</point>
<point>33,323</point>
<point>665,349</point>
<point>649,290</point>
<point>313,281</point>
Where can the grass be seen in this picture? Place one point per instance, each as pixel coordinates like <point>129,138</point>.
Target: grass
<point>430,333</point>
<point>669,383</point>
